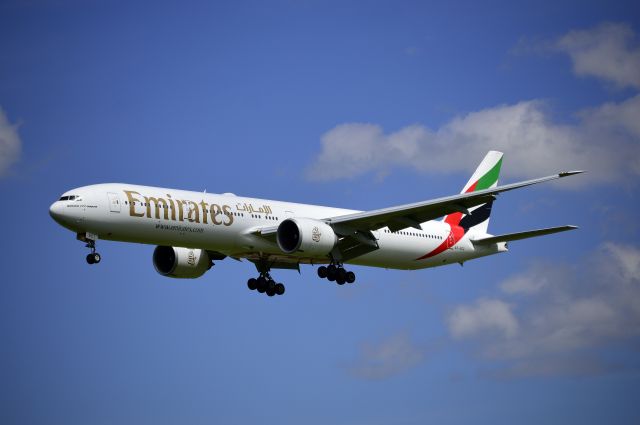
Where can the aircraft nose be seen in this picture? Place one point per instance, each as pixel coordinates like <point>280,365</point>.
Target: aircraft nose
<point>55,211</point>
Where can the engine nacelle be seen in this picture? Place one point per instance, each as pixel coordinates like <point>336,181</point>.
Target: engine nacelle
<point>184,263</point>
<point>306,235</point>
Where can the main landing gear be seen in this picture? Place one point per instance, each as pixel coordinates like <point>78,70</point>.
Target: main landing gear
<point>93,257</point>
<point>265,284</point>
<point>336,273</point>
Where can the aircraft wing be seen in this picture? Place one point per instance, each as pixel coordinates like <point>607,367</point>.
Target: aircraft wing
<point>411,215</point>
<point>522,235</point>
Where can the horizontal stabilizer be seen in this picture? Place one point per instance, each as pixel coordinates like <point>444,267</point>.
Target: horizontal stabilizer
<point>522,235</point>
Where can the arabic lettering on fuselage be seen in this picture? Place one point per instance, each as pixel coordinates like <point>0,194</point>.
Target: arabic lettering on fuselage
<point>244,207</point>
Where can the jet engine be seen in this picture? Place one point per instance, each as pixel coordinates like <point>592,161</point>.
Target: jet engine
<point>306,235</point>
<point>183,263</point>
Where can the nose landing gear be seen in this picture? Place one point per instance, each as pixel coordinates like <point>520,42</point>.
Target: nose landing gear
<point>93,257</point>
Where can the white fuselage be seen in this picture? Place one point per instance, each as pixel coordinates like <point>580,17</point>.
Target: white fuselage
<point>226,224</point>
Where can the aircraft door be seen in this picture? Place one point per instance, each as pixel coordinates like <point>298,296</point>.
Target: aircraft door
<point>114,202</point>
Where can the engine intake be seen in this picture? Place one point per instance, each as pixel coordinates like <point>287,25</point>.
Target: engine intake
<point>306,235</point>
<point>182,263</point>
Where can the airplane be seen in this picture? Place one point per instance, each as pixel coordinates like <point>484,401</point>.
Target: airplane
<point>191,230</point>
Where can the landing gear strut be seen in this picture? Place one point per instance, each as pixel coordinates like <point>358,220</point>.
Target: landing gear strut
<point>93,257</point>
<point>336,273</point>
<point>265,284</point>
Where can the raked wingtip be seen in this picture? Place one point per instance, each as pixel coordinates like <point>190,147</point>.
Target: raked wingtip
<point>570,173</point>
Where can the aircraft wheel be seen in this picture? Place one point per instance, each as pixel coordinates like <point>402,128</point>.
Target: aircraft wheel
<point>90,259</point>
<point>261,284</point>
<point>341,276</point>
<point>331,274</point>
<point>271,292</point>
<point>279,289</point>
<point>252,284</point>
<point>351,277</point>
<point>96,258</point>
<point>322,272</point>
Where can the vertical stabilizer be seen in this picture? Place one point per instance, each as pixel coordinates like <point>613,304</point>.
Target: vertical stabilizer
<point>485,177</point>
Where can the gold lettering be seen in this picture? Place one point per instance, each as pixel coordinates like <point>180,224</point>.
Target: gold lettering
<point>215,211</point>
<point>173,208</point>
<point>157,202</point>
<point>193,211</point>
<point>181,211</point>
<point>227,212</point>
<point>204,206</point>
<point>132,203</point>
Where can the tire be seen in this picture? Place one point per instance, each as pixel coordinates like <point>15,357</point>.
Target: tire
<point>351,277</point>
<point>252,284</point>
<point>271,292</point>
<point>322,272</point>
<point>90,259</point>
<point>96,258</point>
<point>279,289</point>
<point>332,268</point>
<point>340,280</point>
<point>271,286</point>
<point>331,274</point>
<point>261,284</point>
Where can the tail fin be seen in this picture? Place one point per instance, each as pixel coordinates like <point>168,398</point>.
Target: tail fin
<point>485,177</point>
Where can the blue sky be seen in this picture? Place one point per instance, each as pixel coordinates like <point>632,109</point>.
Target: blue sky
<point>352,104</point>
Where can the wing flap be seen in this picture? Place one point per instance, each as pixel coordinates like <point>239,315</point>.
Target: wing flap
<point>522,235</point>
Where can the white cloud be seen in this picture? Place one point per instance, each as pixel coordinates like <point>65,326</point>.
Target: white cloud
<point>574,315</point>
<point>389,357</point>
<point>604,140</point>
<point>10,144</point>
<point>524,284</point>
<point>609,51</point>
<point>484,316</point>
<point>540,277</point>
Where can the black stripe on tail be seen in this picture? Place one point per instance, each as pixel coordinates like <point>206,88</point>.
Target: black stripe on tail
<point>476,217</point>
